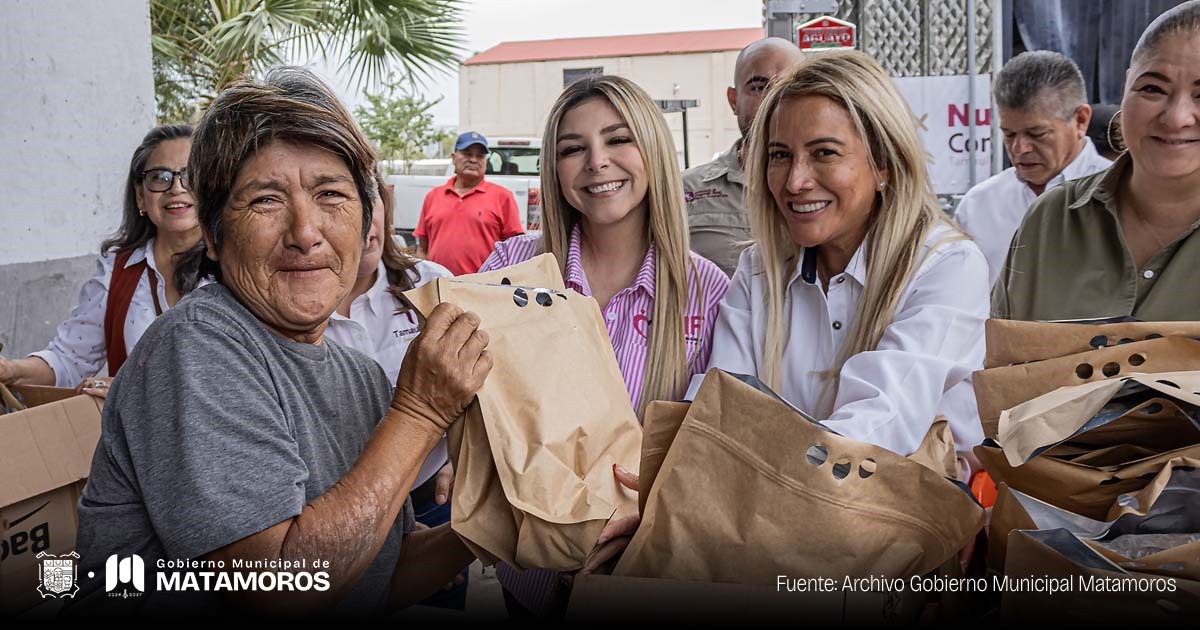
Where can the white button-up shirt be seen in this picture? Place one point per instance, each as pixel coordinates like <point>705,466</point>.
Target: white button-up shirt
<point>378,331</point>
<point>78,350</point>
<point>992,211</point>
<point>888,396</point>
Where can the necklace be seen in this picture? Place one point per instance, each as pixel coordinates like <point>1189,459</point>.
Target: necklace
<point>1147,228</point>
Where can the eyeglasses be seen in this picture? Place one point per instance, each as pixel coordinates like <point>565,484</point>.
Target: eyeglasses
<point>162,179</point>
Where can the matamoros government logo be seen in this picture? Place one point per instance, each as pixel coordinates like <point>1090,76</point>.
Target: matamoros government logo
<point>125,576</point>
<point>57,575</point>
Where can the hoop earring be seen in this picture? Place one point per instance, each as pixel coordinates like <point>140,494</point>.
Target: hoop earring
<point>1115,141</point>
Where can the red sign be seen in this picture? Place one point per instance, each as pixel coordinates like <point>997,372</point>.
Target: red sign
<point>826,33</point>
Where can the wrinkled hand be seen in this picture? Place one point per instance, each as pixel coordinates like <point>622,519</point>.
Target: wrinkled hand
<point>444,367</point>
<point>443,485</point>
<point>615,536</point>
<point>95,386</point>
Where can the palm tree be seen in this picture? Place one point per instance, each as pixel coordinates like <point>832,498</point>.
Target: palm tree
<point>200,46</point>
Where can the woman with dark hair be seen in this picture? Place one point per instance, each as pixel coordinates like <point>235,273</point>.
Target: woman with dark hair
<point>130,288</point>
<point>1123,242</point>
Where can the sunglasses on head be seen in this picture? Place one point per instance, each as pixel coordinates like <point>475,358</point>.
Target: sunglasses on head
<point>162,179</point>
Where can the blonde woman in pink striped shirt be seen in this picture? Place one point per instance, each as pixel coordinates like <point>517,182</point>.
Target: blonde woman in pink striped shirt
<point>613,216</point>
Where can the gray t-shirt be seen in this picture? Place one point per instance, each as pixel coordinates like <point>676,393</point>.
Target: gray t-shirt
<point>216,429</point>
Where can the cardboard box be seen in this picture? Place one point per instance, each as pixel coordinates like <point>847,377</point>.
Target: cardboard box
<point>45,456</point>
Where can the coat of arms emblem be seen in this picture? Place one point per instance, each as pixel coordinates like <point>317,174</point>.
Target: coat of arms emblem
<point>57,574</point>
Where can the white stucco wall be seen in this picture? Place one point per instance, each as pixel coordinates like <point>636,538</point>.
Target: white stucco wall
<point>513,99</point>
<point>77,97</point>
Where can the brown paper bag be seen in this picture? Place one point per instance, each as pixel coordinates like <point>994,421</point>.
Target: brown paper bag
<point>659,427</point>
<point>1148,403</point>
<point>1084,490</point>
<point>936,451</point>
<point>1010,341</point>
<point>1149,519</point>
<point>553,416</point>
<point>1007,515</point>
<point>1138,512</point>
<point>1058,555</point>
<point>1001,388</point>
<point>750,490</point>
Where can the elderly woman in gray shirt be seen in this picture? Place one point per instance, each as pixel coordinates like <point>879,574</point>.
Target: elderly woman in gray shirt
<point>236,433</point>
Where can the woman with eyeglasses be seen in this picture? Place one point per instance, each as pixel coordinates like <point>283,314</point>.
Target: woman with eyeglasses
<point>135,279</point>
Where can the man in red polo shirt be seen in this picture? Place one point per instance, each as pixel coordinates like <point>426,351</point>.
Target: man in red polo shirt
<point>462,220</point>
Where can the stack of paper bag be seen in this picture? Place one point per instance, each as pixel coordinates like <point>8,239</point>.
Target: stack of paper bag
<point>750,488</point>
<point>1010,342</point>
<point>534,453</point>
<point>1141,563</point>
<point>1000,388</point>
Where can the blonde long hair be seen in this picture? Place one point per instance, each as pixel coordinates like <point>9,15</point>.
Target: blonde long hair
<point>902,216</point>
<point>666,362</point>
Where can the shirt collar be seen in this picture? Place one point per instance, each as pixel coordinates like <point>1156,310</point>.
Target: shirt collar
<point>146,253</point>
<point>1103,189</point>
<point>482,186</point>
<point>807,270</point>
<point>381,283</point>
<point>726,165</point>
<point>1079,167</point>
<point>370,297</point>
<point>577,280</point>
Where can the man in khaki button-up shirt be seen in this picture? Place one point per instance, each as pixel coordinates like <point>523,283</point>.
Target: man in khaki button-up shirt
<point>1069,261</point>
<point>719,224</point>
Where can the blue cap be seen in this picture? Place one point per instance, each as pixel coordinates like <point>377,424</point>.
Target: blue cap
<point>468,138</point>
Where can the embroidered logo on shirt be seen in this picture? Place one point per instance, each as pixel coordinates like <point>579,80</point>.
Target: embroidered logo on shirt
<point>711,193</point>
<point>692,325</point>
<point>412,328</point>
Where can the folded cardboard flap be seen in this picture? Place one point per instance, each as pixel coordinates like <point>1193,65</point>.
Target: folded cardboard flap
<point>47,446</point>
<point>1010,342</point>
<point>45,456</point>
<point>38,395</point>
<point>1001,388</point>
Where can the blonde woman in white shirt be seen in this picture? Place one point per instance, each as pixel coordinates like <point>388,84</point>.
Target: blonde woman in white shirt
<point>135,279</point>
<point>859,302</point>
<point>375,320</point>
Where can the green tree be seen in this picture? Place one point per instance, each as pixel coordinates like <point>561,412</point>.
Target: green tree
<point>399,123</point>
<point>201,46</point>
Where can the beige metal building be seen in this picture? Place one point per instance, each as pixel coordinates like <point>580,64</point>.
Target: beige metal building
<point>508,89</point>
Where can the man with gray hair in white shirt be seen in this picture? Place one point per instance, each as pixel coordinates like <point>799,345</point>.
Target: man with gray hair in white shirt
<point>1044,116</point>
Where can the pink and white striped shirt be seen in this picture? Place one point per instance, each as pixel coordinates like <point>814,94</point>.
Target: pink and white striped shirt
<point>627,315</point>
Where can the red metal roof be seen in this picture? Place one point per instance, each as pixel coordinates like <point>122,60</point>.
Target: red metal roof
<point>617,46</point>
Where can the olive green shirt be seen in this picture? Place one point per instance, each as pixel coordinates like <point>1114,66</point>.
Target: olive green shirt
<point>1069,261</point>
<point>718,224</point>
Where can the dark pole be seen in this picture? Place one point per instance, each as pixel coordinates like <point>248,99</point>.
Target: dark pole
<point>687,163</point>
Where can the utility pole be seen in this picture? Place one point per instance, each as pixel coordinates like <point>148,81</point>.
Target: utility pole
<point>672,106</point>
